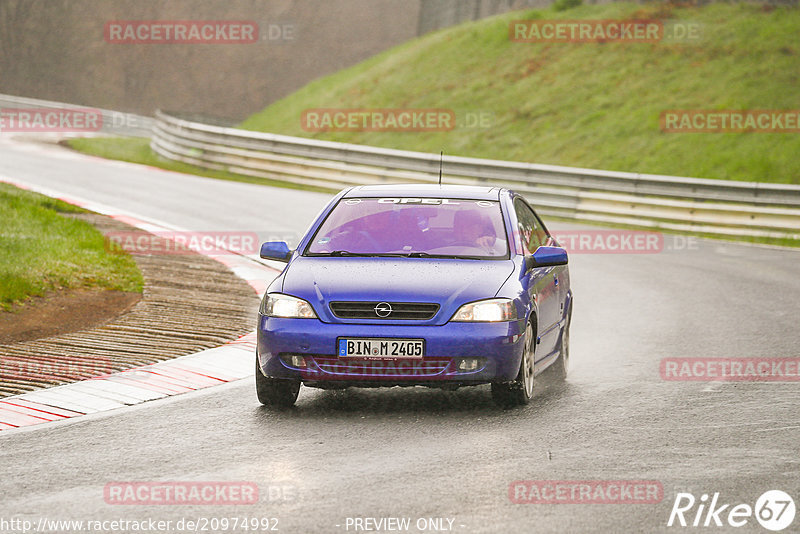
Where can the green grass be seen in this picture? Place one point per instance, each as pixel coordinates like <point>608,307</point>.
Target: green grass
<point>582,104</point>
<point>137,150</point>
<point>42,250</point>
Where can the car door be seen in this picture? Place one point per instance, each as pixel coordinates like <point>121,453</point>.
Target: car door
<point>541,283</point>
<point>560,272</point>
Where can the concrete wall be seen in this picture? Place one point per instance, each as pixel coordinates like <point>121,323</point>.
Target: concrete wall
<point>435,14</point>
<point>55,49</point>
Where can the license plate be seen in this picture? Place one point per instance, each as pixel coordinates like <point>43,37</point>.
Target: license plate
<point>381,348</point>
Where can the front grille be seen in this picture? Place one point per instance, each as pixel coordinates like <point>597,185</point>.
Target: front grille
<point>413,311</point>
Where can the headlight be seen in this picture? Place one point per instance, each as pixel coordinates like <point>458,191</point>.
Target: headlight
<point>488,311</point>
<point>277,305</point>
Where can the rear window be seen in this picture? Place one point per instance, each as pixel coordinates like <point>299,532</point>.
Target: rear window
<point>412,226</point>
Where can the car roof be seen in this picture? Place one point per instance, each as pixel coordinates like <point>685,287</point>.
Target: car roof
<point>425,191</point>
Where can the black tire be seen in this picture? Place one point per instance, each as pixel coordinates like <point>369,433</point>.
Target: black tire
<point>520,391</point>
<point>276,392</point>
<point>561,365</point>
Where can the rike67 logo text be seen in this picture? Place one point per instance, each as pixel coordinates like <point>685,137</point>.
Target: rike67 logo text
<point>774,510</point>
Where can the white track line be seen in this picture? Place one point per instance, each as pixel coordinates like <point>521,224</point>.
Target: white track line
<point>218,365</point>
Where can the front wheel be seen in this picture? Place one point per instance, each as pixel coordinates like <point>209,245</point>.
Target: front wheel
<point>276,392</point>
<point>520,391</point>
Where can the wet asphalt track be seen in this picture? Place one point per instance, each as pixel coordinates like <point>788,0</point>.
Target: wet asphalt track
<point>421,453</point>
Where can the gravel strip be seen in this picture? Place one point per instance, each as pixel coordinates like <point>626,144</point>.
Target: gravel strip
<point>190,303</point>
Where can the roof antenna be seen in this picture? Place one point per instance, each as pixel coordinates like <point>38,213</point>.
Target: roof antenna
<point>441,156</point>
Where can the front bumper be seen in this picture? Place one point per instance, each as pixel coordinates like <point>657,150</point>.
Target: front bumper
<point>498,346</point>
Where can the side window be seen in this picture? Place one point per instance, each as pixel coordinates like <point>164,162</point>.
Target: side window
<point>544,237</point>
<point>530,229</point>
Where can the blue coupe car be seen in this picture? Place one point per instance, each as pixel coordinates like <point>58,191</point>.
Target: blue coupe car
<point>401,285</point>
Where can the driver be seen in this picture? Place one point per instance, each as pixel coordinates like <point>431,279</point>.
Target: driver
<point>472,229</point>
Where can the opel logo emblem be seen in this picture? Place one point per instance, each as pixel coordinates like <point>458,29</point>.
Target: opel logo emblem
<point>383,309</point>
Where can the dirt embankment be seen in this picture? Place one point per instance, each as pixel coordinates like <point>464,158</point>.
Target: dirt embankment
<point>190,303</point>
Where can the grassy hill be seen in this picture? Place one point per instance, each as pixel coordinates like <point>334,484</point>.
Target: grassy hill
<point>582,104</point>
<point>41,250</point>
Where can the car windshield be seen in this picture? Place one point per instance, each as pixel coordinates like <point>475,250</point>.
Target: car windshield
<point>413,227</point>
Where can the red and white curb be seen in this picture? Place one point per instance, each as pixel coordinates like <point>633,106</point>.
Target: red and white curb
<point>211,367</point>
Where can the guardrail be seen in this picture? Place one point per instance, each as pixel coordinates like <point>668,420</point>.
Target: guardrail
<point>114,122</point>
<point>642,200</point>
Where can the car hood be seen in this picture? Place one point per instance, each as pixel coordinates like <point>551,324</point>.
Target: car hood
<point>449,283</point>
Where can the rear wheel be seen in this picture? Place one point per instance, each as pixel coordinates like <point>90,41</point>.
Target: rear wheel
<point>520,391</point>
<point>277,392</point>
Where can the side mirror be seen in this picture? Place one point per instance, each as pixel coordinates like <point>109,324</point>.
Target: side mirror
<point>276,250</point>
<point>546,257</point>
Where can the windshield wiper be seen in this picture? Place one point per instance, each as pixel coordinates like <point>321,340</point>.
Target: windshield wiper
<point>346,253</point>
<point>442,256</point>
<point>378,254</point>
